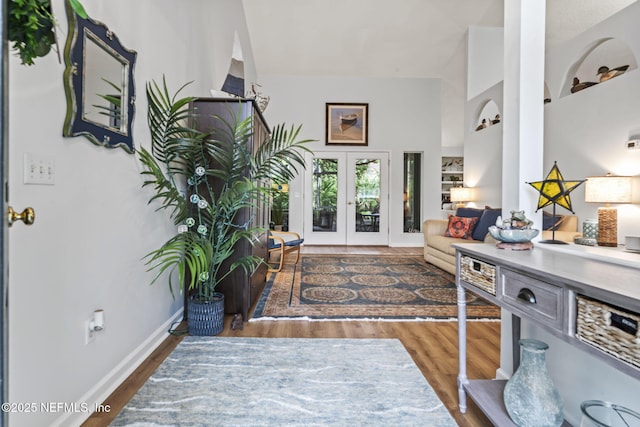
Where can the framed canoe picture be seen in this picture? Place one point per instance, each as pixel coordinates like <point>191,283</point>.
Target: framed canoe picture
<point>347,124</point>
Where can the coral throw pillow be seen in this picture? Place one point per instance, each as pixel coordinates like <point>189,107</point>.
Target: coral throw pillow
<point>460,227</point>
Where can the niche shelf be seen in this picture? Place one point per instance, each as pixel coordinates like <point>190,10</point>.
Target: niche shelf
<point>588,71</point>
<point>489,115</point>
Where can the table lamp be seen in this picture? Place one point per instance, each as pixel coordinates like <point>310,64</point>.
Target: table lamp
<point>461,195</point>
<point>608,189</point>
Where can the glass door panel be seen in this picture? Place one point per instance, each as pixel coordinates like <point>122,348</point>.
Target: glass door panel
<point>325,198</point>
<point>346,198</point>
<point>325,194</point>
<point>367,198</point>
<point>367,188</point>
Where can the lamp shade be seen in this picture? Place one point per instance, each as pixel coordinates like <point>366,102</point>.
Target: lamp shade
<point>608,189</point>
<point>461,194</point>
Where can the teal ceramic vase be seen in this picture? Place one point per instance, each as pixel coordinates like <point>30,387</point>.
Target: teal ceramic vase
<point>530,396</point>
<point>590,229</point>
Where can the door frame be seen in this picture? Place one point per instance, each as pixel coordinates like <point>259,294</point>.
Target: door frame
<point>4,167</point>
<point>345,218</point>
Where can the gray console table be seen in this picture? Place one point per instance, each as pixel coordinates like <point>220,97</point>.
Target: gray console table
<point>549,288</point>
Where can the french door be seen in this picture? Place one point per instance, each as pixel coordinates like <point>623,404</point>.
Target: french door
<point>346,198</point>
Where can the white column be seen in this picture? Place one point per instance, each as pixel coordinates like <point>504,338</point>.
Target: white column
<point>523,120</point>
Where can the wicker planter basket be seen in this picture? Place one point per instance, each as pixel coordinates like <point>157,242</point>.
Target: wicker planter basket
<point>609,328</point>
<point>206,318</point>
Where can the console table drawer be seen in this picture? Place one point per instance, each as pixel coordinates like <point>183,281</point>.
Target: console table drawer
<point>478,273</point>
<point>539,300</point>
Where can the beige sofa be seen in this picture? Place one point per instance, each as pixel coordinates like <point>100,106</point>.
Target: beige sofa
<point>438,250</point>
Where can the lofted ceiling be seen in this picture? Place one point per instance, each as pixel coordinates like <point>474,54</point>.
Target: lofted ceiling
<point>399,38</point>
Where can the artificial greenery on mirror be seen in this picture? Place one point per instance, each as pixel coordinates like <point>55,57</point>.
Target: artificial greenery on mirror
<point>32,27</point>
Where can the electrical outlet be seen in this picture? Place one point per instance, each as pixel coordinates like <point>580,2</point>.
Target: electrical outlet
<point>89,334</point>
<point>633,144</point>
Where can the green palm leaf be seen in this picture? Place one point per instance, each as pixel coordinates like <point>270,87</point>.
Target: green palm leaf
<point>279,159</point>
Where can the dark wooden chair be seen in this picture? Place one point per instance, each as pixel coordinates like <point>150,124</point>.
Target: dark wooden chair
<point>282,243</point>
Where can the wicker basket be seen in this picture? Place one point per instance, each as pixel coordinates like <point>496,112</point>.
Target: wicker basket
<point>478,273</point>
<point>609,328</point>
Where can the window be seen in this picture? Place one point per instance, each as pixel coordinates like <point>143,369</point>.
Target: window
<point>412,191</point>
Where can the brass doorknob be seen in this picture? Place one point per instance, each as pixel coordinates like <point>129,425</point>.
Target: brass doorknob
<point>28,216</point>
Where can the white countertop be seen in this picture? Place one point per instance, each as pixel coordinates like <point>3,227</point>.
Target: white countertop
<point>614,255</point>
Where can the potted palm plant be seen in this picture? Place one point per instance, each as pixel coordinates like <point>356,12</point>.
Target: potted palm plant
<point>181,167</point>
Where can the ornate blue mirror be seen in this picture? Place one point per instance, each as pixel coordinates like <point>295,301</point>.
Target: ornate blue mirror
<point>99,85</point>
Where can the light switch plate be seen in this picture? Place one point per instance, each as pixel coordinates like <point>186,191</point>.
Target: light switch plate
<point>39,169</point>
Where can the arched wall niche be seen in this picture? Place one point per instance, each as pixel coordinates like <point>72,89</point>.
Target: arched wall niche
<point>487,114</point>
<point>610,52</point>
<point>547,93</point>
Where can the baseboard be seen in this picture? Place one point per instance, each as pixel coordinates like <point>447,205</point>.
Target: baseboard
<point>99,393</point>
<point>408,244</point>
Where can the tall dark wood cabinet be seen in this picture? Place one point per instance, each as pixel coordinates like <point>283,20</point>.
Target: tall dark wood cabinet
<point>240,289</point>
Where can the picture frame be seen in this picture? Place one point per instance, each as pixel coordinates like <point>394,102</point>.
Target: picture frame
<point>347,123</point>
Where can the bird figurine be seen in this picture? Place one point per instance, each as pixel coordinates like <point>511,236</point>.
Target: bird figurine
<point>482,125</point>
<point>578,85</point>
<point>236,322</point>
<point>496,120</point>
<point>261,100</point>
<point>605,73</point>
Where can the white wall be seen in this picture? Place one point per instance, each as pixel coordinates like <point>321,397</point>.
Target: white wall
<point>404,116</point>
<point>94,225</point>
<point>483,150</point>
<point>586,131</point>
<point>485,53</point>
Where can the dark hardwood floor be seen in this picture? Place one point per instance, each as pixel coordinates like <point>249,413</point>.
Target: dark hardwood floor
<point>432,345</point>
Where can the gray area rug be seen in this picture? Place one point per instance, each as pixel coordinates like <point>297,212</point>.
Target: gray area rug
<point>211,381</point>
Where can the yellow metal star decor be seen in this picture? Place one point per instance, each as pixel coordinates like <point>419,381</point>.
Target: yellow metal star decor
<point>555,189</point>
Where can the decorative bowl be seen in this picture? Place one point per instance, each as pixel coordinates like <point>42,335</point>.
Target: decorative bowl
<point>513,235</point>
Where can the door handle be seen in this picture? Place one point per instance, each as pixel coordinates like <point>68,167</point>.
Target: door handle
<point>28,216</point>
<point>349,203</point>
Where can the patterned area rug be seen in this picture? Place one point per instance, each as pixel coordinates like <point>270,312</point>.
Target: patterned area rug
<point>339,287</point>
<point>286,382</point>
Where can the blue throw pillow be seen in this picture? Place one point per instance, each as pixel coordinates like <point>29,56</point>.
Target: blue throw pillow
<point>550,222</point>
<point>487,219</point>
<point>469,212</point>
